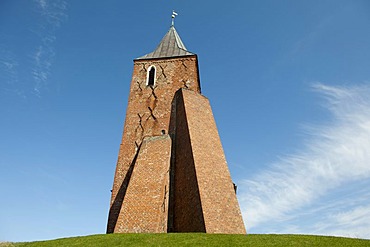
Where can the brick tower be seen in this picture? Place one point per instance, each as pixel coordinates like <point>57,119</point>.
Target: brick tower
<point>171,173</point>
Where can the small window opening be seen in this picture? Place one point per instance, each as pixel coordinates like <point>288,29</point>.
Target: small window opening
<point>151,76</point>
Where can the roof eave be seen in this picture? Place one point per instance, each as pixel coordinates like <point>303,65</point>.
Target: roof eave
<point>163,58</point>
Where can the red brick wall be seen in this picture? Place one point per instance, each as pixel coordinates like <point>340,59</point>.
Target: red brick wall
<point>218,199</point>
<point>201,197</point>
<point>185,202</point>
<point>145,207</point>
<point>171,74</point>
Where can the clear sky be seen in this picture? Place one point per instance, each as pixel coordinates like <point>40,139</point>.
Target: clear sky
<point>288,81</point>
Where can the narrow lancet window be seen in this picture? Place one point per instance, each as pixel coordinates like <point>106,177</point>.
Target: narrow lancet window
<point>151,76</point>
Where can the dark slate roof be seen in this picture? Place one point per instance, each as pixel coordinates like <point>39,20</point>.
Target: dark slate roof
<point>170,46</point>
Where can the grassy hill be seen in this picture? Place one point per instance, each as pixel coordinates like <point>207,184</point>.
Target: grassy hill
<point>195,239</point>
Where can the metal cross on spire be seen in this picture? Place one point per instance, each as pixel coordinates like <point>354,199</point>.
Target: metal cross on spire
<point>174,14</point>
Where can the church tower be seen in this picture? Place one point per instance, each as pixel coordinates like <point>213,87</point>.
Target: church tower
<point>171,173</point>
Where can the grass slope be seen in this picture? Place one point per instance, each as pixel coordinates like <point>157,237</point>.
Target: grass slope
<point>195,239</point>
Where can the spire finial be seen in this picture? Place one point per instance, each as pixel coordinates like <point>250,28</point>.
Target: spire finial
<point>174,14</point>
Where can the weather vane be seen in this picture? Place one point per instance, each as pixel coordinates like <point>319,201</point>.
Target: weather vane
<point>174,14</point>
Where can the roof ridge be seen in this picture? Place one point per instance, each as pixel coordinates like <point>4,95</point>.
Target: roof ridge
<point>178,39</point>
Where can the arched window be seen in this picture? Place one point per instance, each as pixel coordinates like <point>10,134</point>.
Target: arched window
<point>151,76</point>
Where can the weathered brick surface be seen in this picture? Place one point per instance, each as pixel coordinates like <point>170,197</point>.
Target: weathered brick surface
<point>148,113</point>
<point>186,208</point>
<point>218,199</point>
<point>171,172</point>
<point>145,207</point>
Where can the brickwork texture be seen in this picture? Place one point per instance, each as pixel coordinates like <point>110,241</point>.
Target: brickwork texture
<point>171,173</point>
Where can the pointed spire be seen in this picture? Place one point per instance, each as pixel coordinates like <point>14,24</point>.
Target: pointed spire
<point>170,46</point>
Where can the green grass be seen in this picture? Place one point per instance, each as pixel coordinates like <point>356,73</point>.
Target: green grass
<point>195,239</point>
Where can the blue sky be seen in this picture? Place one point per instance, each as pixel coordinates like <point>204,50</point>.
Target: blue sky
<point>288,81</point>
